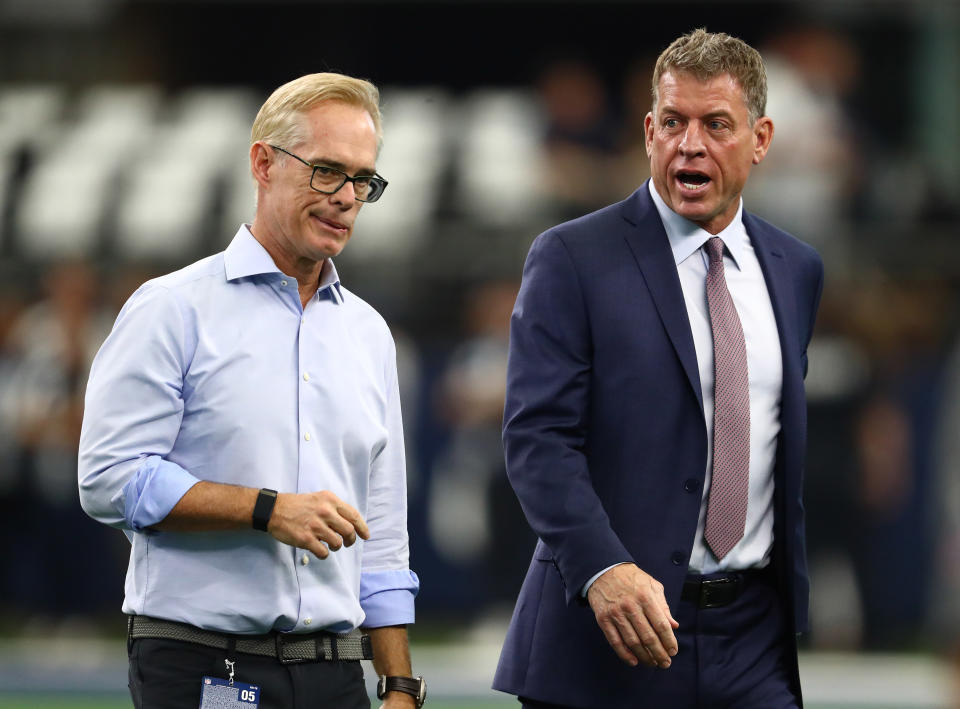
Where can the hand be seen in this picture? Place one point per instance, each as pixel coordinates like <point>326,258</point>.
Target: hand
<point>305,520</point>
<point>633,613</point>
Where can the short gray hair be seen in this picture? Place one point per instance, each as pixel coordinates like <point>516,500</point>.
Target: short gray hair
<point>707,55</point>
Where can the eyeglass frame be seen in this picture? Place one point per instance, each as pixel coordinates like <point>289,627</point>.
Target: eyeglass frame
<point>346,178</point>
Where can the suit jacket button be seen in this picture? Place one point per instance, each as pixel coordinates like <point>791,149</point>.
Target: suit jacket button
<point>678,557</point>
<point>691,485</point>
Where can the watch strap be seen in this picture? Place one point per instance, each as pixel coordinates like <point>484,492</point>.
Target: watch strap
<point>263,508</point>
<point>408,685</point>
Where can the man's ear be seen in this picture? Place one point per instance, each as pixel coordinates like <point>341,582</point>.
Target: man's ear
<point>261,160</point>
<point>762,137</point>
<point>648,132</point>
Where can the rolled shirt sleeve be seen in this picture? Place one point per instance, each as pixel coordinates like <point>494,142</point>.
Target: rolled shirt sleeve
<point>132,416</point>
<point>155,489</point>
<point>387,597</point>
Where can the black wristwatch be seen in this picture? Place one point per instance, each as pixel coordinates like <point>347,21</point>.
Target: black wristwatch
<point>414,686</point>
<point>263,508</point>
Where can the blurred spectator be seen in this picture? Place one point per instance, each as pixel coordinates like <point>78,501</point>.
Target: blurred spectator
<point>637,102</point>
<point>839,376</point>
<point>582,138</point>
<point>901,325</point>
<point>474,515</point>
<point>945,621</point>
<point>11,304</point>
<point>59,567</point>
<point>807,181</point>
<point>409,380</point>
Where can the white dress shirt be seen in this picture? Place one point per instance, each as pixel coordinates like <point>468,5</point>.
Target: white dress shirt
<point>764,368</point>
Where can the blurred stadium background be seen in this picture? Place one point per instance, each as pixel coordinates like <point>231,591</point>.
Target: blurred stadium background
<point>123,134</point>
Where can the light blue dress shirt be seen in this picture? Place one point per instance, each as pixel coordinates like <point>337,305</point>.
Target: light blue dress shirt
<point>217,372</point>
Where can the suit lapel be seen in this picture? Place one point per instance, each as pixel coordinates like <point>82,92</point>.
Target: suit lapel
<point>780,284</point>
<point>779,280</point>
<point>651,249</point>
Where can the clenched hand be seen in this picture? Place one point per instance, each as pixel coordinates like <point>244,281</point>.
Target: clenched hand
<point>305,520</point>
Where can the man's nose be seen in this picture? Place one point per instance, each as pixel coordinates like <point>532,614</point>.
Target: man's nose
<point>692,142</point>
<point>346,195</point>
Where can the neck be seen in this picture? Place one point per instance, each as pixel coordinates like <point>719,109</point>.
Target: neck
<point>305,270</point>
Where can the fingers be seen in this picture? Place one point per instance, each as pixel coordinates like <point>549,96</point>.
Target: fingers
<point>319,522</point>
<point>343,522</point>
<point>634,642</point>
<point>662,626</point>
<point>317,548</point>
<point>615,640</point>
<point>657,638</point>
<point>350,514</point>
<point>633,614</point>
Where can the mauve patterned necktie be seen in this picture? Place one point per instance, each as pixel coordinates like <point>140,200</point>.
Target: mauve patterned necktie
<point>727,504</point>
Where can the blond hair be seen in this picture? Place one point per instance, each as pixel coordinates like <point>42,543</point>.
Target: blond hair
<point>278,121</point>
<point>707,55</point>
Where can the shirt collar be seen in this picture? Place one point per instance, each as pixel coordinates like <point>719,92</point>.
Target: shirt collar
<point>245,256</point>
<point>686,237</point>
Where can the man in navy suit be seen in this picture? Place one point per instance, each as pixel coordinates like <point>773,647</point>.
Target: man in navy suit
<point>655,422</point>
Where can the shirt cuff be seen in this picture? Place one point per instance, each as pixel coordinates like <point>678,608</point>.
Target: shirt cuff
<point>155,489</point>
<point>589,583</point>
<point>386,597</point>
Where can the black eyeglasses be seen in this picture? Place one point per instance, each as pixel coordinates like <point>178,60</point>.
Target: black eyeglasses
<point>366,188</point>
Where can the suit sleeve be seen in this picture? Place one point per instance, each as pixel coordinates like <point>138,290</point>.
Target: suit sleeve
<point>546,417</point>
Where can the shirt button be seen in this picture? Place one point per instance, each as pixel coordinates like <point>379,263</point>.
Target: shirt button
<point>307,621</point>
<point>283,283</point>
<point>691,485</point>
<point>306,377</point>
<point>304,560</point>
<point>306,436</point>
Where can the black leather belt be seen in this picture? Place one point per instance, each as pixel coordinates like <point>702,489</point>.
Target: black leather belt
<point>288,648</point>
<point>718,591</point>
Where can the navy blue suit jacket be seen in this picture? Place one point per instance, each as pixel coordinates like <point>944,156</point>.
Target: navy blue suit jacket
<point>605,439</point>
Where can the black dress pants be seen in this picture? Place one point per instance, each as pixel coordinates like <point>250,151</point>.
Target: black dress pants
<point>167,674</point>
<point>733,657</point>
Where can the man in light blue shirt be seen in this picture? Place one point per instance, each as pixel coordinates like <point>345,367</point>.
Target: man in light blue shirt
<point>242,427</point>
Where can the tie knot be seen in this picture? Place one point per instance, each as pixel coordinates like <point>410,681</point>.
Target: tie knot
<point>715,249</point>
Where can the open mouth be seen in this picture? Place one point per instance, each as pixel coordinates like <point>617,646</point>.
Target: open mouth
<point>693,180</point>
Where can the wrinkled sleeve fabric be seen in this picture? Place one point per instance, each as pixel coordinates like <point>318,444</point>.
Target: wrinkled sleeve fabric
<point>387,597</point>
<point>387,585</point>
<point>546,417</point>
<point>133,411</point>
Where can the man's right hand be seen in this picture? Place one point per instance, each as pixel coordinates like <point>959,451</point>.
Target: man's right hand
<point>634,616</point>
<point>319,522</point>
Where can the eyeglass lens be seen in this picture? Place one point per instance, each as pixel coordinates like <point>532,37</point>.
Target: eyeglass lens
<point>328,179</point>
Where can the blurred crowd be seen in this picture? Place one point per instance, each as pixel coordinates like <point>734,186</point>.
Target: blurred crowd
<point>473,178</point>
